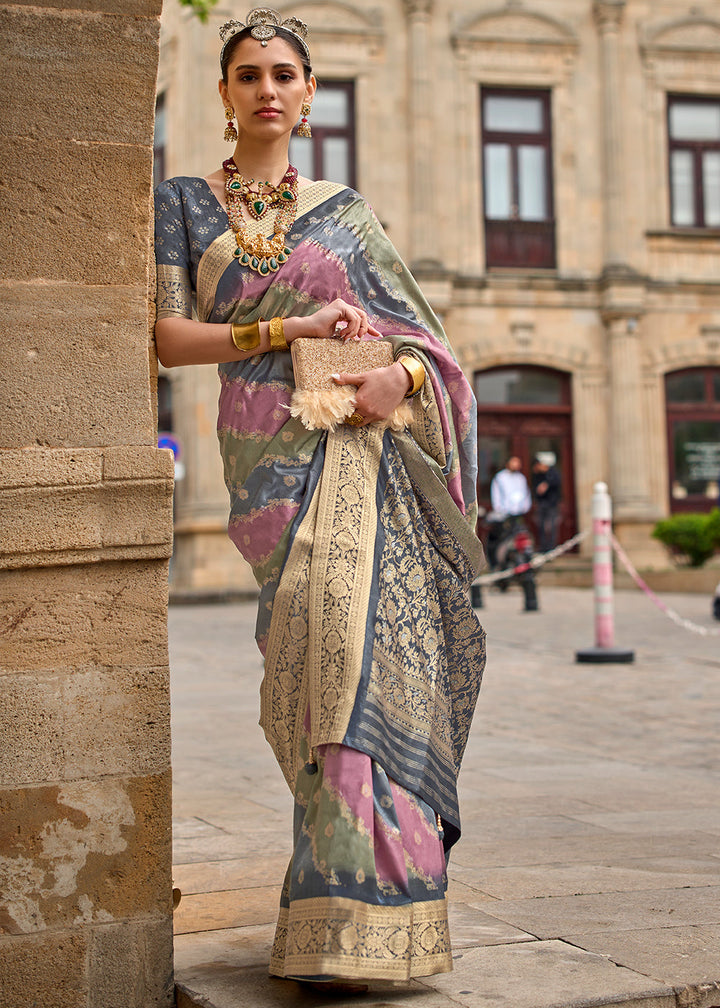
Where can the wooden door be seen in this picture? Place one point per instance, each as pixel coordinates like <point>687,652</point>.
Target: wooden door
<point>512,428</point>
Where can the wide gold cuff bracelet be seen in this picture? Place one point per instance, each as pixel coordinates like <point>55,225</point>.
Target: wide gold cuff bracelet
<point>245,337</point>
<point>277,335</point>
<point>416,371</point>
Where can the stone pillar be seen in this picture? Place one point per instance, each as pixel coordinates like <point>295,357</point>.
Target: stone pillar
<point>86,518</point>
<point>629,463</point>
<point>422,154</point>
<point>622,308</point>
<point>608,14</point>
<point>634,510</point>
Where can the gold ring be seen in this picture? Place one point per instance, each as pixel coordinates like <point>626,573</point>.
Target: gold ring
<point>355,419</point>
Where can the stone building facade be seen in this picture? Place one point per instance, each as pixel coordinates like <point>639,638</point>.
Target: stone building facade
<point>86,518</point>
<point>551,171</point>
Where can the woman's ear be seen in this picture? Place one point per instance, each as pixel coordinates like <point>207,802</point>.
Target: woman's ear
<point>222,88</point>
<point>310,88</point>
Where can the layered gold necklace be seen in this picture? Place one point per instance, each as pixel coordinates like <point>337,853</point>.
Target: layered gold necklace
<point>264,255</point>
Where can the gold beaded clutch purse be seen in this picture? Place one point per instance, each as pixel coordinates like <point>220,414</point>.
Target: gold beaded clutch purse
<point>318,401</point>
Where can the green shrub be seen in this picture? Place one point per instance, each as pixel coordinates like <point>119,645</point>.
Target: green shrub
<point>692,538</point>
<point>200,7</point>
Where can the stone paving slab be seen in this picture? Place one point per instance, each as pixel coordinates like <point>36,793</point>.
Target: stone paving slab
<point>545,975</point>
<point>676,955</point>
<point>554,916</point>
<point>588,873</point>
<point>581,878</point>
<point>217,876</point>
<point>232,908</point>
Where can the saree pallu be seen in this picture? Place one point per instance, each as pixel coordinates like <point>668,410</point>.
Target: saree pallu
<point>363,545</point>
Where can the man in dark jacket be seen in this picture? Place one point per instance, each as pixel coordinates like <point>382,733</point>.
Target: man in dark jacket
<point>546,487</point>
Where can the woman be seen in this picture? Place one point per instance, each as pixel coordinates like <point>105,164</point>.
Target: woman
<point>361,538</point>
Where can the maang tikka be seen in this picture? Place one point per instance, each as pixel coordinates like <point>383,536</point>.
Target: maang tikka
<point>263,22</point>
<point>304,127</point>
<point>230,131</point>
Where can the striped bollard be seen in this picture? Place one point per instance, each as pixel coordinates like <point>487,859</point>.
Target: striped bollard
<point>604,649</point>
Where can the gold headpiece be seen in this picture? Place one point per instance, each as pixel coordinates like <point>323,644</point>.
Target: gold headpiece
<point>263,22</point>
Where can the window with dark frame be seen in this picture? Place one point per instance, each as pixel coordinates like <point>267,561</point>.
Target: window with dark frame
<point>517,178</point>
<point>330,152</point>
<point>693,430</point>
<point>694,160</point>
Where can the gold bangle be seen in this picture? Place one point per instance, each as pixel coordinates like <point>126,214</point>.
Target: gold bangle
<point>245,337</point>
<point>277,334</point>
<point>416,371</point>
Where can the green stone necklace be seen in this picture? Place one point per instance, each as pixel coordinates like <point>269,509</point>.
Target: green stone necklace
<point>264,255</point>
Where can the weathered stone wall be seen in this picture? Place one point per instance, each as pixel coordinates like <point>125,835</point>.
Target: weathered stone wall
<point>85,518</point>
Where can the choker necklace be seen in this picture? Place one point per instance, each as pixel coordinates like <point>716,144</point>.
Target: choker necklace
<point>264,255</point>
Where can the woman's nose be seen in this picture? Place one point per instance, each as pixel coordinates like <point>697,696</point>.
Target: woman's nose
<point>266,87</point>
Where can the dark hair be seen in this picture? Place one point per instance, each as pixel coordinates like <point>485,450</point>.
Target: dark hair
<point>287,36</point>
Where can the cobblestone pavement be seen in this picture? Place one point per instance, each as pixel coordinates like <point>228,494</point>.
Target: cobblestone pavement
<point>589,868</point>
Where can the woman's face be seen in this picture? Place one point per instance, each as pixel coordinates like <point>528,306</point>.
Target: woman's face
<point>266,87</point>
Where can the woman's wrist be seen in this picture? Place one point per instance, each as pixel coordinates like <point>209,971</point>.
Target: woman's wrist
<point>245,337</point>
<point>294,327</point>
<point>415,373</point>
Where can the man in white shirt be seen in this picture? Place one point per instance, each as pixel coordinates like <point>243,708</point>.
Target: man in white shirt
<point>509,490</point>
<point>510,496</point>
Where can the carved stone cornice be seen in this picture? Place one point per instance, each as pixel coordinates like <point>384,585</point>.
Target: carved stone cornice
<point>609,14</point>
<point>514,24</point>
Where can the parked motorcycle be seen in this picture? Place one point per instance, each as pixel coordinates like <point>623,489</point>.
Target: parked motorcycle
<point>510,547</point>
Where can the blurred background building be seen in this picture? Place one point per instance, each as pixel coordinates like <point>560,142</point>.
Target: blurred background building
<point>550,169</point>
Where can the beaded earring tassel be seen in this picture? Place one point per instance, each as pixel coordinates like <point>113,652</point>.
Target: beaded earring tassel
<point>230,131</point>
<point>304,127</point>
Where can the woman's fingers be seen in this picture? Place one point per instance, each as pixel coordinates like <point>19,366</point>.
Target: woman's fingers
<point>340,320</point>
<point>345,378</point>
<point>352,322</point>
<point>378,391</point>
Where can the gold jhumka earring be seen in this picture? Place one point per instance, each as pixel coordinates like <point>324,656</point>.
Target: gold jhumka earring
<point>230,131</point>
<point>304,127</point>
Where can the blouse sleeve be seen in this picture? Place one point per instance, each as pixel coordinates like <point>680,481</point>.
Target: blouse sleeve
<point>172,254</point>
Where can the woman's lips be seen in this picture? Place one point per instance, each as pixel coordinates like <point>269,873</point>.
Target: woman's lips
<point>268,113</point>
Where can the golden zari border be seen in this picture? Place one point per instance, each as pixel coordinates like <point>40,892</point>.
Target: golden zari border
<point>317,632</point>
<point>174,292</point>
<point>219,254</point>
<point>335,936</point>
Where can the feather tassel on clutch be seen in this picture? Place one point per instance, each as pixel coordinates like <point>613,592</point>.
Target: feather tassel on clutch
<point>318,402</point>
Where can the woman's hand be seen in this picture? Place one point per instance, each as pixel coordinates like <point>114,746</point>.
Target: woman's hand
<point>338,320</point>
<point>379,391</point>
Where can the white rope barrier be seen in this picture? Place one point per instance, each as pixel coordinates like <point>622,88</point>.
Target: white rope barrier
<point>686,624</point>
<point>539,559</point>
<point>535,561</point>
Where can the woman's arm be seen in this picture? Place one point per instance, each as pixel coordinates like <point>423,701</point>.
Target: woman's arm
<point>185,341</point>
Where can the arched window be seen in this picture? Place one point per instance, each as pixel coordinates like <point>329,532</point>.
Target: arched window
<point>693,428</point>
